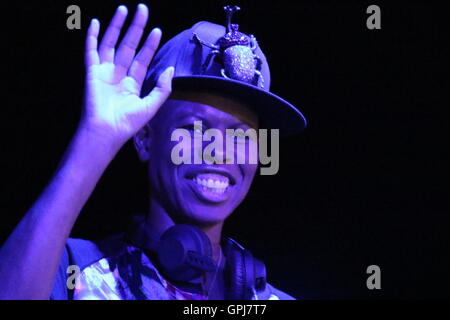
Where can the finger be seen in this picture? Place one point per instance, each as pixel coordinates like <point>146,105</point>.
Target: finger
<point>109,40</point>
<point>160,92</point>
<point>127,48</point>
<point>138,69</point>
<point>91,53</point>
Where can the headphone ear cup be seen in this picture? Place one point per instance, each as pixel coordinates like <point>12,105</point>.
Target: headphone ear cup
<point>181,247</point>
<point>239,272</point>
<point>234,274</point>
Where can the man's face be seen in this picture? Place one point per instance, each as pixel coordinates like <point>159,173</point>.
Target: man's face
<point>201,194</point>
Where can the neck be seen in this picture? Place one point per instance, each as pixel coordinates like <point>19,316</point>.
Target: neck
<point>214,234</point>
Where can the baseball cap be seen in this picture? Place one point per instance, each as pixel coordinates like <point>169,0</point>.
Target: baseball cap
<point>213,58</point>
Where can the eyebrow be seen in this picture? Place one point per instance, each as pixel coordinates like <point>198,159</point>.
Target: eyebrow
<point>195,117</point>
<point>242,124</point>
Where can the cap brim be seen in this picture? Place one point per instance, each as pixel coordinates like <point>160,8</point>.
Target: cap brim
<point>273,111</point>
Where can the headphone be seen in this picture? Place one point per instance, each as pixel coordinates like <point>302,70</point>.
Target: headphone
<point>183,254</point>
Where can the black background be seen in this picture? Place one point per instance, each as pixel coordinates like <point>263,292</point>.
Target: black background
<point>366,183</point>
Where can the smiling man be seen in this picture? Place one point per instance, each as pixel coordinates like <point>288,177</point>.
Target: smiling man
<point>206,194</point>
<point>209,76</point>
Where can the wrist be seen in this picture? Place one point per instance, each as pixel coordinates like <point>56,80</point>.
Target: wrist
<point>93,136</point>
<point>95,142</point>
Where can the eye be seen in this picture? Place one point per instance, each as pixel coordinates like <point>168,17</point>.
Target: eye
<point>193,128</point>
<point>240,136</point>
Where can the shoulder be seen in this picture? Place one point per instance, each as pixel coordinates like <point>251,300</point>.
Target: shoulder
<point>273,293</point>
<point>82,253</point>
<point>269,292</point>
<point>86,252</point>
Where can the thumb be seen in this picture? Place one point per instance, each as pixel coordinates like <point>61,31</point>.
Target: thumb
<point>161,91</point>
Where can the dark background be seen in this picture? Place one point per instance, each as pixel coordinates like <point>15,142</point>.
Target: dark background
<point>366,183</point>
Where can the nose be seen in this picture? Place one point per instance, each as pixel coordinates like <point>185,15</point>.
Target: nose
<point>218,154</point>
<point>232,148</point>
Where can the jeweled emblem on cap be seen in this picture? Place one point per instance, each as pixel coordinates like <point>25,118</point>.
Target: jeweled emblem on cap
<point>236,51</point>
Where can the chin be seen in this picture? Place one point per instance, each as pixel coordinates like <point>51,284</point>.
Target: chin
<point>204,215</point>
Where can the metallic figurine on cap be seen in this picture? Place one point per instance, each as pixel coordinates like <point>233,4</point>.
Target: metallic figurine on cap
<point>237,52</point>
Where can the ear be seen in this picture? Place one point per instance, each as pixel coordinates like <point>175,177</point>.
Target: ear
<point>142,143</point>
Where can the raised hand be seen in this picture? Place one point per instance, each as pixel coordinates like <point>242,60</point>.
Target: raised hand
<point>114,77</point>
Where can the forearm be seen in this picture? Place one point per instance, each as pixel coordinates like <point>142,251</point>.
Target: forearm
<point>30,257</point>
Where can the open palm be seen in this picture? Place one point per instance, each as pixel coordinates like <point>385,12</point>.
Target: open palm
<point>114,77</point>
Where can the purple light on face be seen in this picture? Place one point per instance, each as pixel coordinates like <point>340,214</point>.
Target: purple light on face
<point>206,192</point>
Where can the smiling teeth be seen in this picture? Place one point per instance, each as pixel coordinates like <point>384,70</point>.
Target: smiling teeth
<point>212,185</point>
